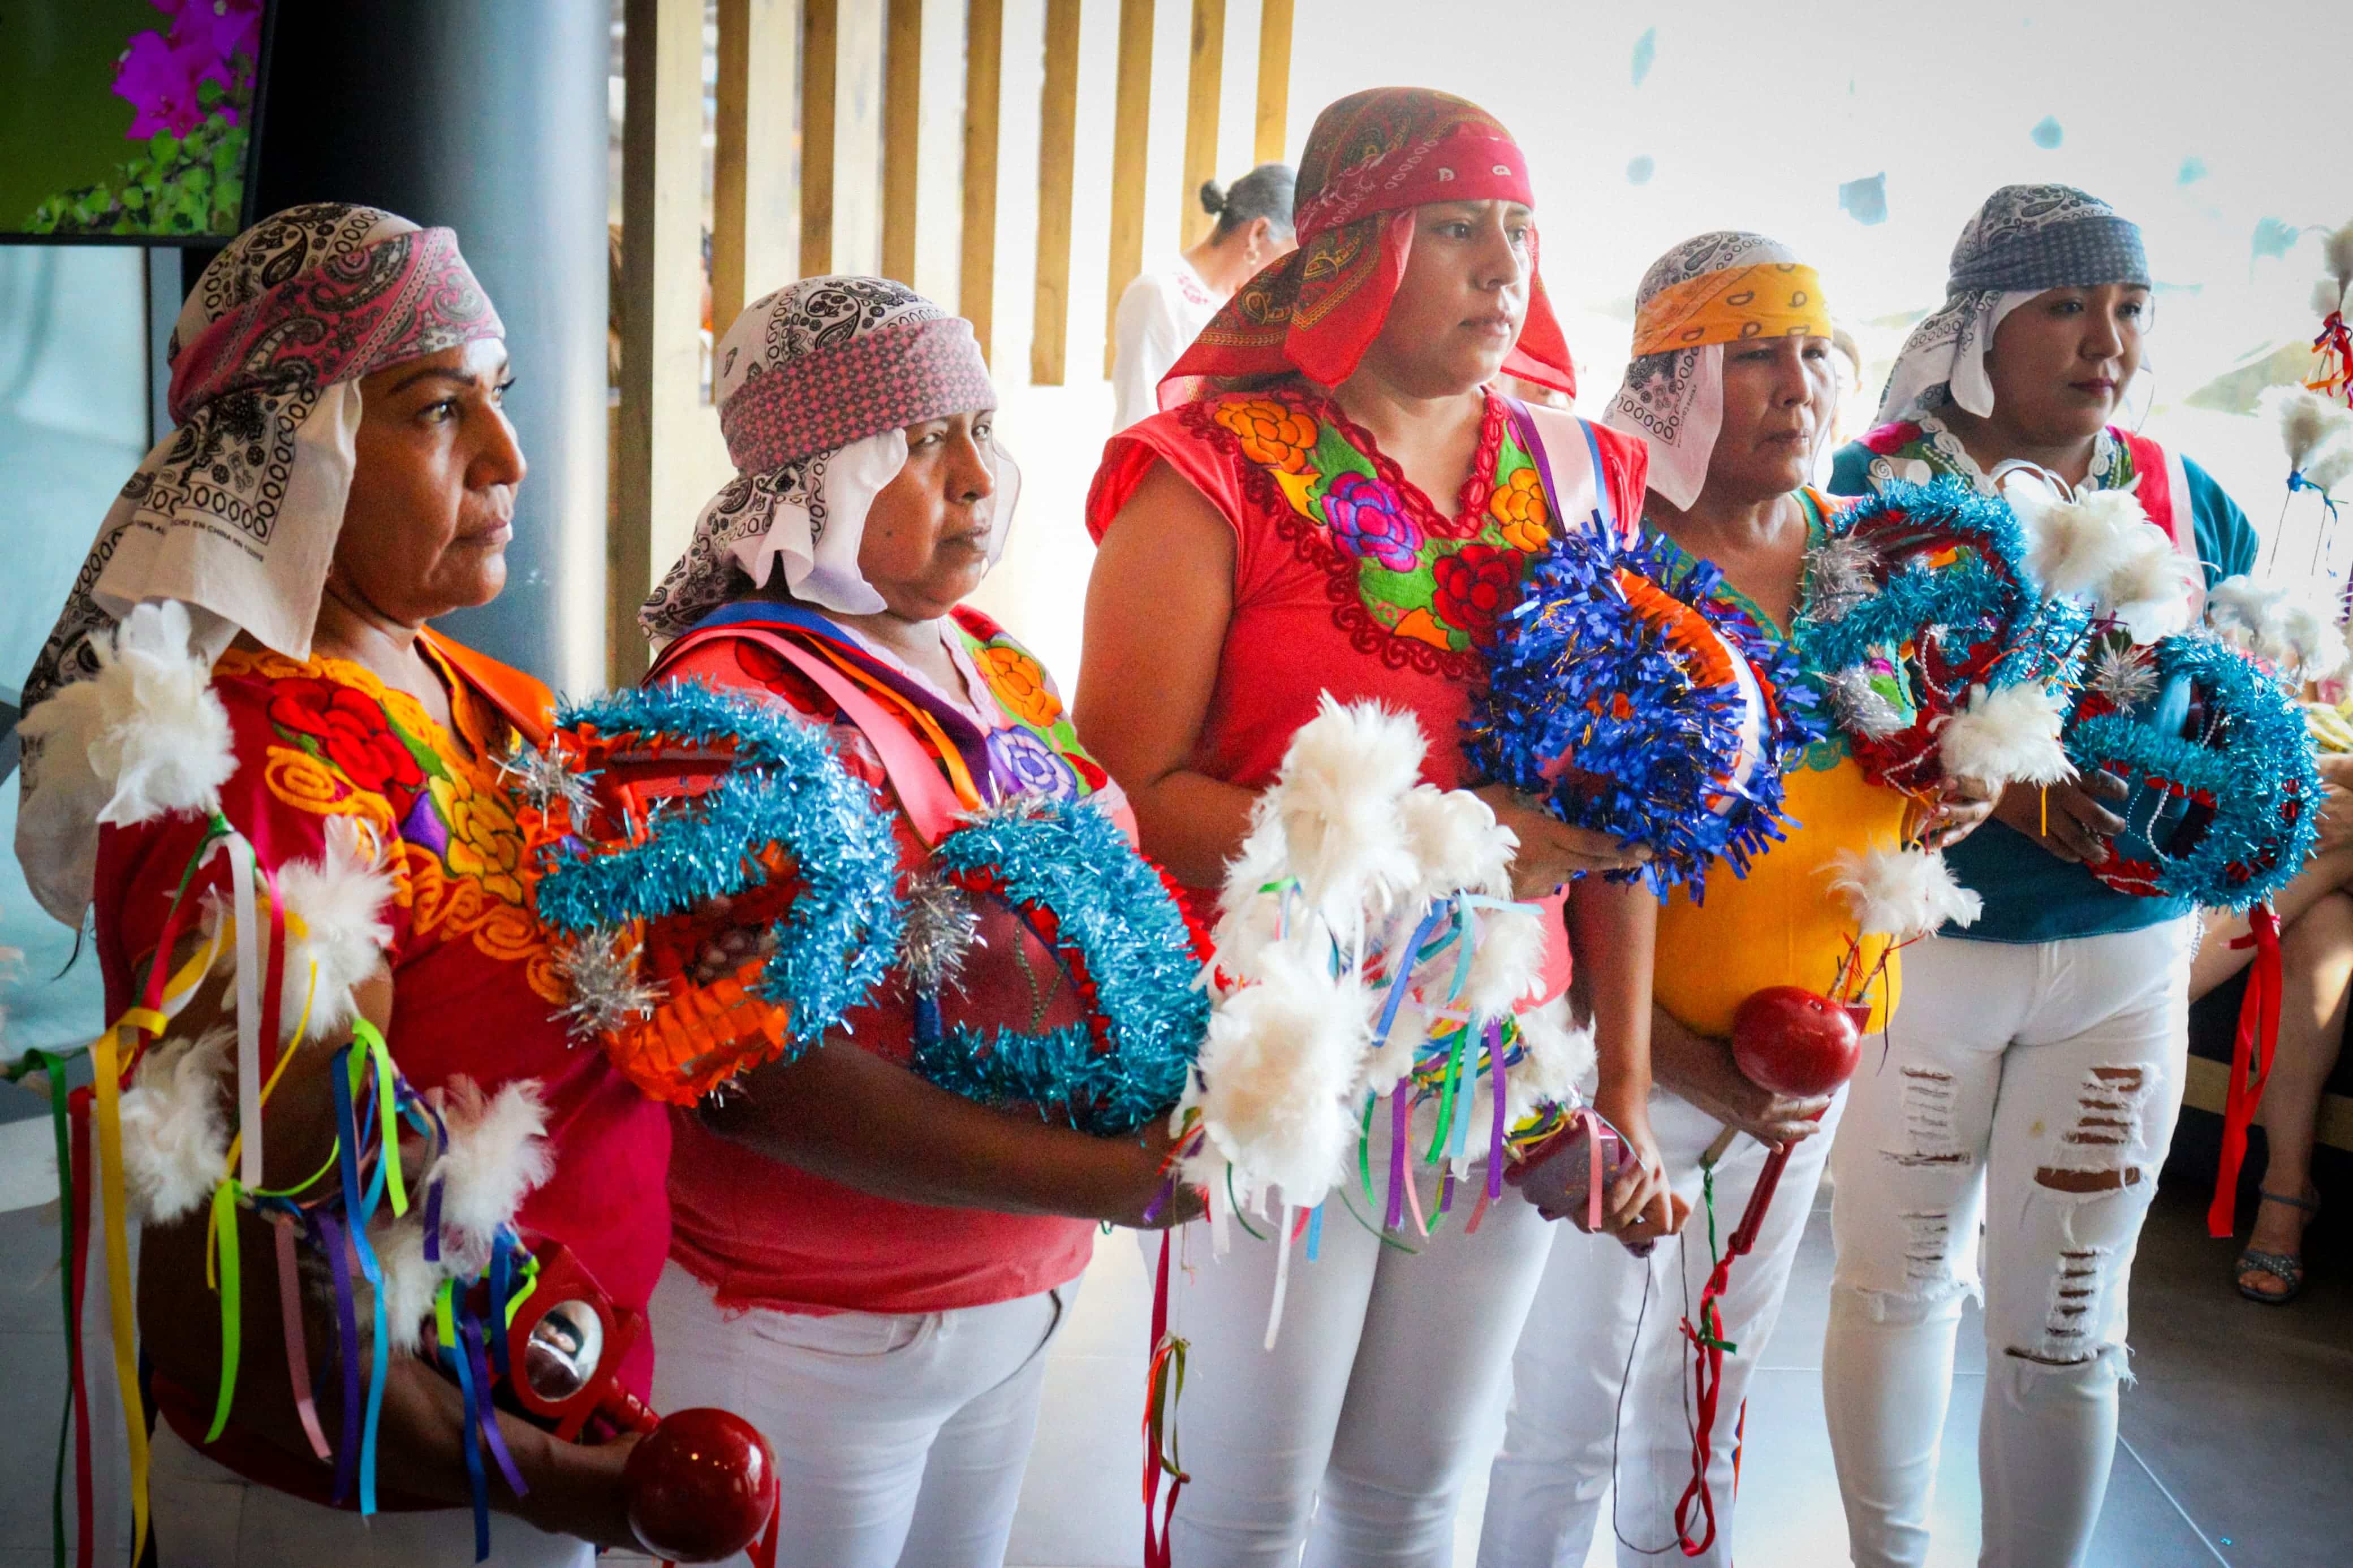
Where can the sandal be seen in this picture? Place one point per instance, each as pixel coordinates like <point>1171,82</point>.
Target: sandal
<point>2288,1268</point>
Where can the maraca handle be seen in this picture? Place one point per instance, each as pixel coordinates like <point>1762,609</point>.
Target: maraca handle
<point>626,1410</point>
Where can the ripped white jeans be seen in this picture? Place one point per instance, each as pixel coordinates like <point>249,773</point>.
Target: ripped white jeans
<point>2032,1087</point>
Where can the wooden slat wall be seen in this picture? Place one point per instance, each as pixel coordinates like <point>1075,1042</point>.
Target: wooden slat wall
<point>1205,74</point>
<point>661,305</point>
<point>983,73</point>
<point>756,195</point>
<point>1275,19</point>
<point>1057,157</point>
<point>1131,142</point>
<point>902,116</point>
<point>820,47</point>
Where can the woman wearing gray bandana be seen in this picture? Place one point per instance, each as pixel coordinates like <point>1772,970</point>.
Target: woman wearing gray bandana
<point>2039,1070</point>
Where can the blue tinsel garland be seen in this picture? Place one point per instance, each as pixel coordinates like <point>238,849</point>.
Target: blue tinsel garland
<point>2256,768</point>
<point>1577,672</point>
<point>1983,597</point>
<point>1113,914</point>
<point>786,788</point>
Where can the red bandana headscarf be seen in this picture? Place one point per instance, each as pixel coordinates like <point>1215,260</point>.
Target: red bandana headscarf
<point>1372,158</point>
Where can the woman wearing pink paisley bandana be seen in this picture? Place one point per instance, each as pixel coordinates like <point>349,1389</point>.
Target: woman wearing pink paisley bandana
<point>1333,500</point>
<point>244,710</point>
<point>869,1266</point>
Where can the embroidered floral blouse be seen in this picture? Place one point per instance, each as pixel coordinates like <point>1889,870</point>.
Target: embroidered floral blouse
<point>1347,578</point>
<point>474,984</point>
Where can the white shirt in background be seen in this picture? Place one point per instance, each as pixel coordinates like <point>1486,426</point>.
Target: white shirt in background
<point>1160,314</point>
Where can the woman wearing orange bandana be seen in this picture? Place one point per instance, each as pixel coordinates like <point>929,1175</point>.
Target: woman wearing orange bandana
<point>1283,529</point>
<point>1731,385</point>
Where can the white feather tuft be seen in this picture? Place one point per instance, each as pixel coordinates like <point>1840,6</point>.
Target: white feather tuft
<point>410,1282</point>
<point>1560,1063</point>
<point>498,1153</point>
<point>175,1127</point>
<point>2331,466</point>
<point>2336,250</point>
<point>1507,959</point>
<point>2009,736</point>
<point>1455,839</point>
<point>1337,801</point>
<point>1279,1055</point>
<point>1902,893</point>
<point>2307,422</point>
<point>340,899</point>
<point>2328,296</point>
<point>2152,592</point>
<point>152,737</point>
<point>2079,544</point>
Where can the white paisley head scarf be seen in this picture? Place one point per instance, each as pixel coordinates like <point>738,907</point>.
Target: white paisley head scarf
<point>1717,287</point>
<point>2025,240</point>
<point>817,384</point>
<point>235,513</point>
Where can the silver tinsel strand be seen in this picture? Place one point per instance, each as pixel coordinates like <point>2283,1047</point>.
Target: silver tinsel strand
<point>1861,706</point>
<point>2123,677</point>
<point>942,929</point>
<point>1839,576</point>
<point>601,969</point>
<point>542,778</point>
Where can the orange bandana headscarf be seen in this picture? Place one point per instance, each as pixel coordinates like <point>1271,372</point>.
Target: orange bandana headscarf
<point>1372,158</point>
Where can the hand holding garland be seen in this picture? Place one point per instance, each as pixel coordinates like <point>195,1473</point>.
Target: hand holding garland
<point>2067,819</point>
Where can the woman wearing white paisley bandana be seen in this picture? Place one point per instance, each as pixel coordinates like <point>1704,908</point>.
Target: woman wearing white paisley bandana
<point>273,710</point>
<point>2040,1069</point>
<point>868,1266</point>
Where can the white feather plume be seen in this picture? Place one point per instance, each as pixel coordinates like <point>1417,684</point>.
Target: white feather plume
<point>498,1153</point>
<point>2328,296</point>
<point>2009,736</point>
<point>410,1282</point>
<point>2151,591</point>
<point>1560,1061</point>
<point>2330,467</point>
<point>2337,252</point>
<point>175,1127</point>
<point>1902,893</point>
<point>1454,837</point>
<point>1272,1073</point>
<point>2079,544</point>
<point>1507,959</point>
<point>153,737</point>
<point>2297,632</point>
<point>1337,799</point>
<point>339,898</point>
<point>2307,421</point>
<point>2241,602</point>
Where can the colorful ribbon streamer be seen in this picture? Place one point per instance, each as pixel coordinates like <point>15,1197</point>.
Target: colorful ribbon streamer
<point>2250,1064</point>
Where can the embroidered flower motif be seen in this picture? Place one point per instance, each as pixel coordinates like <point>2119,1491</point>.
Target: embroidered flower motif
<point>1018,683</point>
<point>485,843</point>
<point>1519,507</point>
<point>1474,585</point>
<point>1368,518</point>
<point>1271,432</point>
<point>1026,762</point>
<point>349,729</point>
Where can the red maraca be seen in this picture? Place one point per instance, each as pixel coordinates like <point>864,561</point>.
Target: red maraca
<point>700,1488</point>
<point>1795,1042</point>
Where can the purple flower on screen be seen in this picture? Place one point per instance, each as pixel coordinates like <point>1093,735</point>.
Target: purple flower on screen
<point>159,81</point>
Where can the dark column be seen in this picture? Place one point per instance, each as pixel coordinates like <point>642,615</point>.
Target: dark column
<point>488,117</point>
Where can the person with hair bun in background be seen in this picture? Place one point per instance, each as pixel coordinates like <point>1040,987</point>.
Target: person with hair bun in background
<point>1164,307</point>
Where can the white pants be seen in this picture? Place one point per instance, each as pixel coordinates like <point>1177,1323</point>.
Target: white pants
<point>1602,1377</point>
<point>2032,1087</point>
<point>900,1438</point>
<point>207,1516</point>
<point>1369,1413</point>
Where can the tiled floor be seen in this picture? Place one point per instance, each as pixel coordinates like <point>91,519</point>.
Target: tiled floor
<point>2236,1441</point>
<point>2236,1445</point>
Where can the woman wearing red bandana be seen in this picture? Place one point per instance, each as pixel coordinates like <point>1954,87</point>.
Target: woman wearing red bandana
<point>1271,536</point>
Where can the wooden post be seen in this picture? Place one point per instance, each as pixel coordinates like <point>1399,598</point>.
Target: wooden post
<point>756,206</point>
<point>1131,140</point>
<point>1204,75</point>
<point>820,47</point>
<point>902,118</point>
<point>661,309</point>
<point>983,69</point>
<point>1273,82</point>
<point>1057,157</point>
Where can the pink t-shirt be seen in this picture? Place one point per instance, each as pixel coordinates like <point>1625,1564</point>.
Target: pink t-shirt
<point>762,1233</point>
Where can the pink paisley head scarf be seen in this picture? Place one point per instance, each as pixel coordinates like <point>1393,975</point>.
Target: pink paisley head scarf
<point>235,513</point>
<point>816,384</point>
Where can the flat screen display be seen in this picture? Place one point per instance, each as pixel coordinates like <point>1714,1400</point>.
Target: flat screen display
<point>127,120</point>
